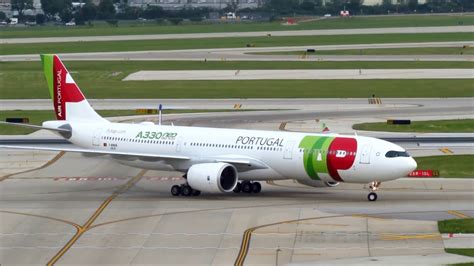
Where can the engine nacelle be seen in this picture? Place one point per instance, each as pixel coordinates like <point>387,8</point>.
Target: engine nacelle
<point>318,183</point>
<point>212,177</point>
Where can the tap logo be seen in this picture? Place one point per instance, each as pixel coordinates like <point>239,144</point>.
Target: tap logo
<point>328,155</point>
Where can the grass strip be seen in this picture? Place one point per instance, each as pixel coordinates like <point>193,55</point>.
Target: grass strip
<point>432,126</point>
<point>230,42</point>
<point>36,117</point>
<point>100,88</point>
<point>456,226</point>
<point>127,67</point>
<point>100,28</point>
<point>449,166</point>
<point>462,251</point>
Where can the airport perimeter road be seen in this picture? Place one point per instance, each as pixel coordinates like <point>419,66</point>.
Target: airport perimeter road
<point>242,54</point>
<point>413,30</point>
<point>89,210</point>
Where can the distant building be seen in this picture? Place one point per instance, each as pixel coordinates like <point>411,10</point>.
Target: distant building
<point>394,2</point>
<point>6,7</point>
<point>180,4</point>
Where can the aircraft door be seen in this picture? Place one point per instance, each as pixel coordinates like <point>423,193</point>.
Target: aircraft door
<point>365,154</point>
<point>288,150</point>
<point>179,144</point>
<point>96,137</point>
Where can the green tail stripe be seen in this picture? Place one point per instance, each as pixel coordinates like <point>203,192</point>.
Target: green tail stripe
<point>48,61</point>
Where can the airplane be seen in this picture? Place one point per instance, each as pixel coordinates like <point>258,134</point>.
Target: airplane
<point>215,160</point>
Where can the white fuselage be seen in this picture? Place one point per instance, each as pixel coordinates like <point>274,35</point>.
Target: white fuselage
<point>282,155</point>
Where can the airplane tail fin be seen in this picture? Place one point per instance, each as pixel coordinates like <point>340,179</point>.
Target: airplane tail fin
<point>68,100</point>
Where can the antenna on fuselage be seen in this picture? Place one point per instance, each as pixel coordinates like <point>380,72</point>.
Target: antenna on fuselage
<point>160,107</point>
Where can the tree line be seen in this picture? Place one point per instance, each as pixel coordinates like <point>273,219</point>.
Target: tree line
<point>113,10</point>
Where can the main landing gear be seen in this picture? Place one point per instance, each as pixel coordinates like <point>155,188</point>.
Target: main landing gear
<point>248,187</point>
<point>374,186</point>
<point>184,190</point>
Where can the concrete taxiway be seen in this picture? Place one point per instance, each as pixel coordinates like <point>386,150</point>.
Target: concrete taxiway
<point>247,54</point>
<point>66,208</point>
<point>411,30</point>
<point>299,74</point>
<point>90,210</point>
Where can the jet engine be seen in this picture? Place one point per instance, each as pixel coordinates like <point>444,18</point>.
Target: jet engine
<point>212,177</point>
<point>318,183</point>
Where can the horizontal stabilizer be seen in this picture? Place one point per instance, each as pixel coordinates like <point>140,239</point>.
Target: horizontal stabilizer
<point>65,130</point>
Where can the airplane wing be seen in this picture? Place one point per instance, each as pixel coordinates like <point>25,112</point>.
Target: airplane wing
<point>242,163</point>
<point>97,152</point>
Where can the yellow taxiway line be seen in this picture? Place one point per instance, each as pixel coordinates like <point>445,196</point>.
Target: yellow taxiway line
<point>87,225</point>
<point>50,162</point>
<point>459,214</point>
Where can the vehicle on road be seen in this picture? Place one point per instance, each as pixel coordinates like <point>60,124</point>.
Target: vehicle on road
<point>218,160</point>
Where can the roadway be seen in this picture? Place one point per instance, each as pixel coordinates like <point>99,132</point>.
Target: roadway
<point>407,30</point>
<point>246,54</point>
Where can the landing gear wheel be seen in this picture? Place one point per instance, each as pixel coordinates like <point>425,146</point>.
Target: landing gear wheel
<point>175,190</point>
<point>238,187</point>
<point>256,187</point>
<point>186,190</point>
<point>372,196</point>
<point>246,187</point>
<point>196,192</point>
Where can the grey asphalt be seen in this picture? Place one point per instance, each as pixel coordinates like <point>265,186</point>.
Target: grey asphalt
<point>243,54</point>
<point>411,30</point>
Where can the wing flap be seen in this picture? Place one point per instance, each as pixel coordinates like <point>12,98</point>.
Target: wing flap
<point>63,130</point>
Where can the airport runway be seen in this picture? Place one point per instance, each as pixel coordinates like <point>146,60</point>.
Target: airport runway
<point>243,54</point>
<point>411,30</point>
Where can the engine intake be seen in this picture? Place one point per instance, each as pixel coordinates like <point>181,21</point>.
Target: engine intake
<point>212,177</point>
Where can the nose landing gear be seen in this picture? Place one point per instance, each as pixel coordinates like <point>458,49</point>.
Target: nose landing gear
<point>374,186</point>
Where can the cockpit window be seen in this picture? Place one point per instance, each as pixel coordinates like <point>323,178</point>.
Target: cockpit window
<point>393,154</point>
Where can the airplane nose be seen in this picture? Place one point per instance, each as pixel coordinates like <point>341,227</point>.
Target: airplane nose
<point>412,165</point>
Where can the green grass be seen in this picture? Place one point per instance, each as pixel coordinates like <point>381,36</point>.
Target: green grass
<point>449,166</point>
<point>433,126</point>
<point>462,251</point>
<point>130,28</point>
<point>462,263</point>
<point>25,80</point>
<point>95,86</point>
<point>127,67</point>
<point>36,117</point>
<point>383,51</point>
<point>456,226</point>
<point>229,42</point>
